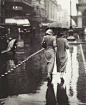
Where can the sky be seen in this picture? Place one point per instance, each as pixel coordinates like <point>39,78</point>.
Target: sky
<point>66,5</point>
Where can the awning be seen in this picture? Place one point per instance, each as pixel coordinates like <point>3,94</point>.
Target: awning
<point>17,21</point>
<point>23,22</point>
<point>10,21</point>
<point>74,18</point>
<point>44,24</point>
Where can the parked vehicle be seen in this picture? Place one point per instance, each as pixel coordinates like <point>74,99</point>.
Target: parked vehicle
<point>71,37</point>
<point>6,44</point>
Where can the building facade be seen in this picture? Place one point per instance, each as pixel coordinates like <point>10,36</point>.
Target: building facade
<point>39,9</point>
<point>51,10</point>
<point>81,13</point>
<point>2,11</point>
<point>36,11</point>
<point>82,1</point>
<point>15,13</point>
<point>46,10</point>
<point>63,16</point>
<point>18,9</point>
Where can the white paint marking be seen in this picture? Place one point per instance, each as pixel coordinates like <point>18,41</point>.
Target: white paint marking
<point>12,69</point>
<point>6,73</point>
<point>2,75</point>
<point>25,60</point>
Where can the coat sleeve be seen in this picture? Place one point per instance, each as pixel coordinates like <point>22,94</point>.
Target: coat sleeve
<point>43,43</point>
<point>66,44</point>
<point>54,44</point>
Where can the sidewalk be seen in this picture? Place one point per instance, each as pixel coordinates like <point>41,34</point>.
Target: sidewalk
<point>75,84</point>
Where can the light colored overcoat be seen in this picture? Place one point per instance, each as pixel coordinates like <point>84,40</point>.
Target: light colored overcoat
<point>49,52</point>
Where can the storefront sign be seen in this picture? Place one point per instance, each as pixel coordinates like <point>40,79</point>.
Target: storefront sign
<point>17,8</point>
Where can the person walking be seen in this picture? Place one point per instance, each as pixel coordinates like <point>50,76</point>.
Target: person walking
<point>49,43</point>
<point>61,54</point>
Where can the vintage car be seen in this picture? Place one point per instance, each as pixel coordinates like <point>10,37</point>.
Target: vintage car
<point>71,37</point>
<point>6,44</point>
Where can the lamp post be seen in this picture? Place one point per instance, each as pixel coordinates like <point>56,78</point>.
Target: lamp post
<point>0,11</point>
<point>70,16</point>
<point>71,30</point>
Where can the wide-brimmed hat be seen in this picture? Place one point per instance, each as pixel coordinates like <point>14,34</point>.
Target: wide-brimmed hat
<point>49,32</point>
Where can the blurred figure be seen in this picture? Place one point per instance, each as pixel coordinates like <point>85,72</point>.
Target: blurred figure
<point>85,33</point>
<point>12,62</point>
<point>31,34</point>
<point>61,54</point>
<point>8,30</point>
<point>12,44</point>
<point>49,43</point>
<point>34,31</point>
<point>50,96</point>
<point>62,98</point>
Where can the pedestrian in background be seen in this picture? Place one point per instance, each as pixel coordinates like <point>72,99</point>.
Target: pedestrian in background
<point>31,34</point>
<point>34,29</point>
<point>61,54</point>
<point>49,43</point>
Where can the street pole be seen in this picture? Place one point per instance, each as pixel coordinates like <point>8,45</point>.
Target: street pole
<point>59,16</point>
<point>70,16</point>
<point>0,11</point>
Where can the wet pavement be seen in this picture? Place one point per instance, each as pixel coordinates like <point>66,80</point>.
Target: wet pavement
<point>26,84</point>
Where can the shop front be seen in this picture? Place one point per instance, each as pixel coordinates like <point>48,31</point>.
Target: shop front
<point>14,26</point>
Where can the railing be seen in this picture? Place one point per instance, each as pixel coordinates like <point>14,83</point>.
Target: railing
<point>21,63</point>
<point>27,73</point>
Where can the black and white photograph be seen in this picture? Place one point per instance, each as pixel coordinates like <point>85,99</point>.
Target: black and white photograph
<point>42,52</point>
